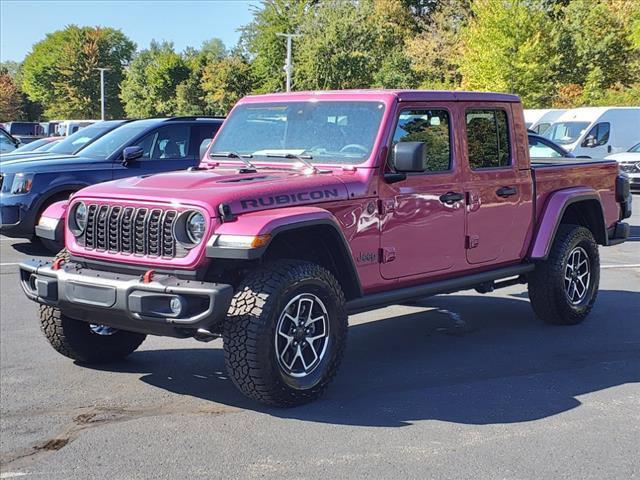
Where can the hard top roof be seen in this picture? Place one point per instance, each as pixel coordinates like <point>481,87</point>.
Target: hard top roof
<point>382,95</point>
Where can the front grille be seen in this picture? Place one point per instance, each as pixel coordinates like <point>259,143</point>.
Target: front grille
<point>630,167</point>
<point>128,230</point>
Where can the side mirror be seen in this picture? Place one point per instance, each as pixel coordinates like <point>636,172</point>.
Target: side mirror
<point>410,156</point>
<point>204,146</point>
<point>129,154</point>
<point>590,141</point>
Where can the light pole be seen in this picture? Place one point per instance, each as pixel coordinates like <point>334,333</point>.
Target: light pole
<point>288,66</point>
<point>102,70</point>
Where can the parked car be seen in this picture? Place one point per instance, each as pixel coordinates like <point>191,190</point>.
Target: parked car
<point>312,206</point>
<point>139,147</point>
<point>539,119</point>
<point>37,144</point>
<point>596,132</point>
<point>7,142</point>
<point>629,162</point>
<point>540,147</point>
<point>26,132</point>
<point>69,145</point>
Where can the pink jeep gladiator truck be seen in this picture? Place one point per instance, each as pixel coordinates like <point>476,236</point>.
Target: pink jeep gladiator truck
<point>310,206</point>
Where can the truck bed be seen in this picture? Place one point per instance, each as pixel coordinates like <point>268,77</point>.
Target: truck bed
<point>550,175</point>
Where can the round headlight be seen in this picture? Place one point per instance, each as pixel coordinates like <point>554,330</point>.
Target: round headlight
<point>195,227</point>
<point>80,217</point>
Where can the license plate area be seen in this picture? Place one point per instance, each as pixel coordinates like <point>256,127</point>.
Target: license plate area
<point>94,295</point>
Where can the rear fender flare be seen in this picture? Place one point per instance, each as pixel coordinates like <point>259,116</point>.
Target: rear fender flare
<point>553,213</point>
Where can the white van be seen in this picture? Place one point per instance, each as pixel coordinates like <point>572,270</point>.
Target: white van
<point>539,119</point>
<point>596,132</point>
<point>65,128</point>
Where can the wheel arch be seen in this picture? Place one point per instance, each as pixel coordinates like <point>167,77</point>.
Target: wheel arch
<point>578,207</point>
<point>301,233</point>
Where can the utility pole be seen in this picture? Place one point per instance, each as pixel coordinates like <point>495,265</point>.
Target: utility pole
<point>288,66</point>
<point>102,70</point>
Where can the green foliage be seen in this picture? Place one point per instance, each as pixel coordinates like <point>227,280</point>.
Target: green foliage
<point>261,44</point>
<point>509,47</point>
<point>149,88</point>
<point>225,82</point>
<point>60,71</point>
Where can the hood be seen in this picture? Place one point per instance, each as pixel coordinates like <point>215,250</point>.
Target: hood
<point>21,155</point>
<point>266,189</point>
<point>40,163</point>
<point>624,157</point>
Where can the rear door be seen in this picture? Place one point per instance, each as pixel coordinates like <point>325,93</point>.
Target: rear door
<point>422,232</point>
<point>499,193</point>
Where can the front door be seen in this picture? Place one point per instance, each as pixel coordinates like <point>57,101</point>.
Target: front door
<point>422,217</point>
<point>166,149</point>
<point>499,193</point>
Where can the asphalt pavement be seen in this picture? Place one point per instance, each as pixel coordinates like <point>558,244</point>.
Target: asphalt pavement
<point>459,386</point>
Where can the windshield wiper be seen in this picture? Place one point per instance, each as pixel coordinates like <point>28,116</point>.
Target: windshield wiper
<point>302,159</point>
<point>243,158</point>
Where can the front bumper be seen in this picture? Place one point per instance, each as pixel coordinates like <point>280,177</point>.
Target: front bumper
<point>17,215</point>
<point>124,301</point>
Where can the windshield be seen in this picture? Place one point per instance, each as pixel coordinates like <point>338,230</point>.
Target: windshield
<point>635,148</point>
<point>31,146</point>
<point>73,143</point>
<point>114,140</point>
<point>328,132</point>
<point>566,133</point>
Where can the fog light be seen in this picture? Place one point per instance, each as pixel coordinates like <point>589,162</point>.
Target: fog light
<point>176,305</point>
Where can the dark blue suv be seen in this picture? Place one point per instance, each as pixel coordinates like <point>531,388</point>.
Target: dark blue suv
<point>140,147</point>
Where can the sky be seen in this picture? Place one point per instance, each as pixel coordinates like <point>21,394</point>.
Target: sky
<point>186,23</point>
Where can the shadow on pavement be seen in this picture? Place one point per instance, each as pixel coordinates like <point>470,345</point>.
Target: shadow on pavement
<point>32,249</point>
<point>483,360</point>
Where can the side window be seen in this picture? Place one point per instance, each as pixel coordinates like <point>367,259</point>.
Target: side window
<point>488,143</point>
<point>599,135</point>
<point>147,142</point>
<point>430,127</point>
<point>171,142</point>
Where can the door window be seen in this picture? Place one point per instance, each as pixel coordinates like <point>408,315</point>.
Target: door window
<point>488,142</point>
<point>170,142</point>
<point>430,127</point>
<point>201,136</point>
<point>598,136</point>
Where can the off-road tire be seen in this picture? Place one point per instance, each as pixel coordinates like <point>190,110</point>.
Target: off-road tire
<point>547,292</point>
<point>75,339</point>
<point>250,328</point>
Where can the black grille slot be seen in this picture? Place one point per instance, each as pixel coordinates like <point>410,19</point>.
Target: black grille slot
<point>139,232</point>
<point>168,242</point>
<point>89,235</point>
<point>126,230</point>
<point>154,233</point>
<point>129,230</point>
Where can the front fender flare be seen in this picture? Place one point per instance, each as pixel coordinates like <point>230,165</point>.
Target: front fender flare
<point>51,222</point>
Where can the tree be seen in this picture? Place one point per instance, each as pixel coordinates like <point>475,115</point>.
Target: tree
<point>225,82</point>
<point>435,51</point>
<point>344,54</point>
<point>508,46</point>
<point>10,98</point>
<point>149,87</point>
<point>595,47</point>
<point>264,49</point>
<point>190,97</point>
<point>60,71</point>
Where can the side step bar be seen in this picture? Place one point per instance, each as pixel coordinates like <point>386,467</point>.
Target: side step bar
<point>394,297</point>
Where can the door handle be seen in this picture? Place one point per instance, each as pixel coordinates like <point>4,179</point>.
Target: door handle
<point>609,149</point>
<point>505,192</point>
<point>451,197</point>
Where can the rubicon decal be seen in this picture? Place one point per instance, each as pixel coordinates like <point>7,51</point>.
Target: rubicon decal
<point>288,199</point>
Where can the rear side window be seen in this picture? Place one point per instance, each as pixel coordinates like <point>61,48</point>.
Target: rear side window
<point>598,135</point>
<point>430,127</point>
<point>488,142</point>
